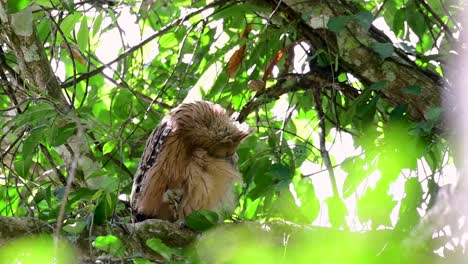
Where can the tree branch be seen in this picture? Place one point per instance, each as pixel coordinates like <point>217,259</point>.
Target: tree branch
<point>35,68</point>
<point>314,79</point>
<point>353,48</point>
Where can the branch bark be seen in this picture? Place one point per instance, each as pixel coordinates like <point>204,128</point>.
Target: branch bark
<point>227,239</point>
<point>19,32</point>
<point>132,235</point>
<point>353,48</point>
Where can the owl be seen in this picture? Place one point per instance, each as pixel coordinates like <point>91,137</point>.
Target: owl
<point>189,164</point>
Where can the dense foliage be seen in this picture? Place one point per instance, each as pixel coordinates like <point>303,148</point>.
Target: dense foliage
<point>343,139</point>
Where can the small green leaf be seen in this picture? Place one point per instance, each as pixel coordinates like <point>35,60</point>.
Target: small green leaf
<point>68,24</point>
<point>342,77</point>
<point>47,3</point>
<point>354,166</point>
<point>105,208</point>
<point>415,20</point>
<point>110,244</point>
<point>336,211</point>
<point>15,6</point>
<point>75,228</point>
<point>36,114</point>
<point>162,249</point>
<point>69,5</point>
<point>384,50</point>
<point>32,141</point>
<point>142,261</point>
<point>22,165</point>
<point>338,23</point>
<point>58,135</point>
<point>310,205</point>
<point>364,18</point>
<point>434,113</point>
<point>398,112</point>
<point>399,22</point>
<point>83,34</point>
<point>378,85</point>
<point>97,24</point>
<point>109,146</point>
<point>280,172</point>
<point>412,89</point>
<point>202,220</point>
<point>122,107</point>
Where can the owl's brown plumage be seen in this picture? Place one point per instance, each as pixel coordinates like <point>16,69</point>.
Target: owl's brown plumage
<point>189,163</point>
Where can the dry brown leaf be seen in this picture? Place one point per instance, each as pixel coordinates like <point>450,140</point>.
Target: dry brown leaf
<point>256,85</point>
<point>247,29</point>
<point>238,56</point>
<point>274,61</point>
<point>235,61</point>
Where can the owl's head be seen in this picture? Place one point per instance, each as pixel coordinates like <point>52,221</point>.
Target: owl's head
<point>209,126</point>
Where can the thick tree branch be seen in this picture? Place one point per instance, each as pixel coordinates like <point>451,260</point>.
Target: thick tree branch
<point>20,34</point>
<point>353,48</point>
<point>225,239</point>
<point>314,79</point>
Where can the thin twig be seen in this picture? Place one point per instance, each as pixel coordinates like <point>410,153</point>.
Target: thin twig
<point>142,43</point>
<point>322,133</point>
<point>71,175</point>
<point>59,174</point>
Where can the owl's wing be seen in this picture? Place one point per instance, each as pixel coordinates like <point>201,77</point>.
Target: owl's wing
<point>149,158</point>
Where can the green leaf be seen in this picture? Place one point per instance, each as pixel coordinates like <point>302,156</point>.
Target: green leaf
<point>202,220</point>
<point>364,18</point>
<point>434,113</point>
<point>354,166</point>
<point>142,261</point>
<point>162,249</point>
<point>336,211</point>
<point>97,24</point>
<point>376,205</point>
<point>68,24</point>
<point>15,6</point>
<point>310,205</point>
<point>58,135</point>
<point>122,107</point>
<point>378,85</point>
<point>36,114</point>
<point>75,228</point>
<point>415,20</point>
<point>31,142</point>
<point>47,3</point>
<point>399,22</point>
<point>69,5</point>
<point>280,172</point>
<point>398,112</point>
<point>384,50</point>
<point>409,215</point>
<point>338,23</point>
<point>412,89</point>
<point>105,208</point>
<point>414,193</point>
<point>251,208</point>
<point>22,165</point>
<point>342,77</point>
<point>83,34</point>
<point>109,146</point>
<point>110,244</point>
